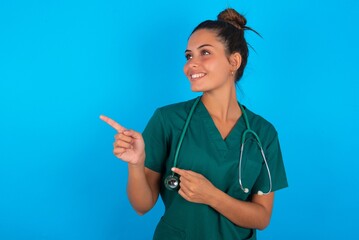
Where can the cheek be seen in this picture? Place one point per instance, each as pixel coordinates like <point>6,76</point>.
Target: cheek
<point>213,64</point>
<point>221,66</point>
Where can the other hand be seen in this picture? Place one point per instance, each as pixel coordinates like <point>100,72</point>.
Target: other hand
<point>194,187</point>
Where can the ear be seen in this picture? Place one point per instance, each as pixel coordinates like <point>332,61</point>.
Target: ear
<point>235,60</point>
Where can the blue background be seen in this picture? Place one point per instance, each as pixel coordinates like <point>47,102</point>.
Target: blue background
<point>63,63</point>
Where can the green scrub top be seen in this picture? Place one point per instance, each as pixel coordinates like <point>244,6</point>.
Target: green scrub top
<point>205,152</point>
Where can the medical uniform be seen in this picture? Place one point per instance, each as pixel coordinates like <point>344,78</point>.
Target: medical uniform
<point>205,152</point>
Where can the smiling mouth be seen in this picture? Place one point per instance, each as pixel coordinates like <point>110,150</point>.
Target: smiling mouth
<point>197,75</point>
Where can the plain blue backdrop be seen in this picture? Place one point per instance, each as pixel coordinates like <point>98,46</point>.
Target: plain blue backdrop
<point>63,63</point>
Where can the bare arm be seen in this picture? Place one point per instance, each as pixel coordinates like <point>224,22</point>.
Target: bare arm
<point>255,214</point>
<point>143,183</point>
<point>142,188</point>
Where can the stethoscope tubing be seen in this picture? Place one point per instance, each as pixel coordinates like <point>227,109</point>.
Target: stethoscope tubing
<point>184,132</point>
<point>258,140</point>
<point>248,130</point>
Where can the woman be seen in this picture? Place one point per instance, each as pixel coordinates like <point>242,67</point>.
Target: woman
<point>225,192</point>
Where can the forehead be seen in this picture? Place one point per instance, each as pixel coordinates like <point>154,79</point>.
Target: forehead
<point>202,37</point>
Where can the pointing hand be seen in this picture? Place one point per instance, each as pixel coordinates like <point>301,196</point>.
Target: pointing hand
<point>129,145</point>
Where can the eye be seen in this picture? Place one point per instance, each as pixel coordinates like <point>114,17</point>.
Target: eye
<point>205,52</point>
<point>188,56</point>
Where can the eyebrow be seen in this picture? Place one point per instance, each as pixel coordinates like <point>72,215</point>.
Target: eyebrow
<point>204,45</point>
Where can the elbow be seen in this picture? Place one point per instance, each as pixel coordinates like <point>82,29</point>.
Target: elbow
<point>264,223</point>
<point>141,212</point>
<point>262,227</point>
<point>141,209</point>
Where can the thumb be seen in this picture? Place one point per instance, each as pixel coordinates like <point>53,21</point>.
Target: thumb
<point>132,133</point>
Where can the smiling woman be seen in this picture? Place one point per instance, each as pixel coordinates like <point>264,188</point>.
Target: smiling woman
<point>225,159</point>
<point>62,63</point>
<point>207,65</point>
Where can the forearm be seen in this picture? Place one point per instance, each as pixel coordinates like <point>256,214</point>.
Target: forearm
<point>244,214</point>
<point>140,194</point>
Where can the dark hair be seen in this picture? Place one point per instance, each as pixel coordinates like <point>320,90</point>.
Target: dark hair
<point>230,26</point>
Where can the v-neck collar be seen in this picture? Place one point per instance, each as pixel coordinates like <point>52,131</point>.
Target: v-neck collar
<point>233,138</point>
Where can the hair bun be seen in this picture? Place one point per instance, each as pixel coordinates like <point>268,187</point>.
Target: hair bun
<point>233,17</point>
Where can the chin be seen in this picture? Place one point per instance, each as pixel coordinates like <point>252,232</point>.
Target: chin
<point>194,89</point>
<point>197,88</point>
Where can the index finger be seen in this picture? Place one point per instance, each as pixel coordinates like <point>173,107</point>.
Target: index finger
<point>183,173</point>
<point>112,123</point>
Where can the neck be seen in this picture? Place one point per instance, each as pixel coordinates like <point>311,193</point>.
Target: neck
<point>222,104</point>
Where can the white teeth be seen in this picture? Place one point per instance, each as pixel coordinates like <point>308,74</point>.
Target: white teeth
<point>197,75</point>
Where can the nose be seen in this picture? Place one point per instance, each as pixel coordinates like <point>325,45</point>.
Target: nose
<point>188,66</point>
<point>192,63</point>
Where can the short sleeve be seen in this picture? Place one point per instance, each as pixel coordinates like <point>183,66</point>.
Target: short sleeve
<point>276,166</point>
<point>156,142</point>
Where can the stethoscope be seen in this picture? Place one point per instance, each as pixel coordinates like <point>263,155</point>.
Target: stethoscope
<point>172,181</point>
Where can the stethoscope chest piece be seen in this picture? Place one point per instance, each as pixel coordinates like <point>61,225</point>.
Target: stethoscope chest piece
<point>171,182</point>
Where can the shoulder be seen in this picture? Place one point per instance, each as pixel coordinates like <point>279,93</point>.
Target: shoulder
<point>170,117</point>
<point>165,119</point>
<point>176,110</point>
<point>261,125</point>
